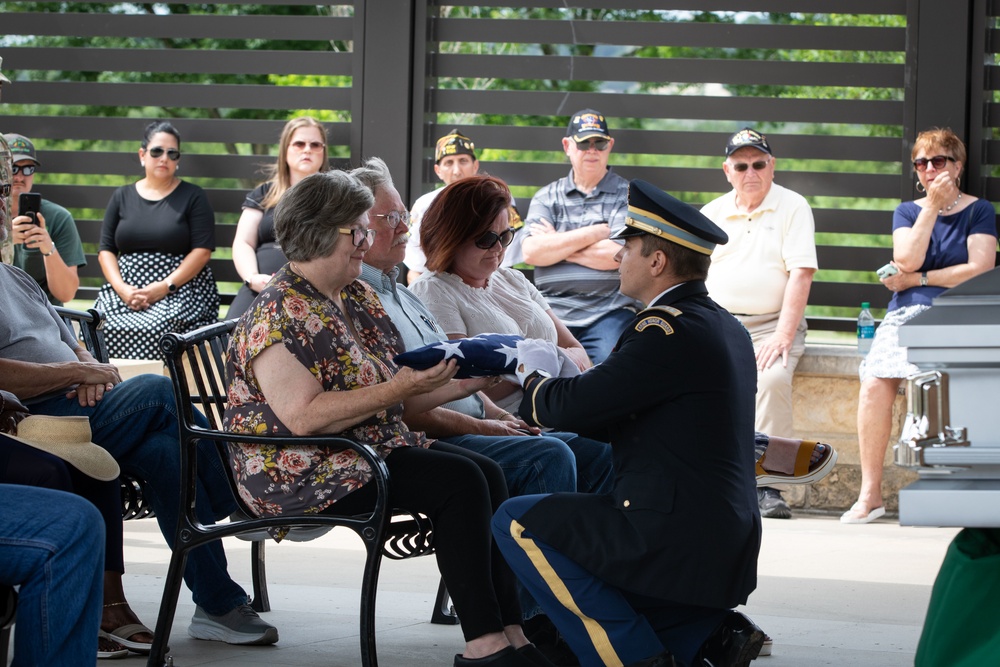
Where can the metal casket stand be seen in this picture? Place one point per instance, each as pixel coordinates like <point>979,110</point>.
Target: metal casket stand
<point>951,436</point>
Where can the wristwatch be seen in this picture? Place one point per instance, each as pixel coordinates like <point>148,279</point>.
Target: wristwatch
<point>171,287</point>
<point>923,279</point>
<point>534,375</point>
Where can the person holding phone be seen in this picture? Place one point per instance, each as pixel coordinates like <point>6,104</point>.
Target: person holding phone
<point>46,242</point>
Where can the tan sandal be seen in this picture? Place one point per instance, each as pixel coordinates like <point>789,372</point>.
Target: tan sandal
<point>803,471</point>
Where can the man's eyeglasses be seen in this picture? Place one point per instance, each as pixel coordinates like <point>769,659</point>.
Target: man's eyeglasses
<point>394,218</point>
<point>757,166</point>
<point>939,161</point>
<point>5,190</point>
<point>489,239</point>
<point>359,236</point>
<point>27,169</point>
<point>301,145</point>
<point>598,144</point>
<point>158,151</point>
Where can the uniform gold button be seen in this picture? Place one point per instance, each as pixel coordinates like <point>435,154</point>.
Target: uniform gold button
<point>626,503</point>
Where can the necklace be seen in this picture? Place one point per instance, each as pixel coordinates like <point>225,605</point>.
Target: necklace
<point>952,205</point>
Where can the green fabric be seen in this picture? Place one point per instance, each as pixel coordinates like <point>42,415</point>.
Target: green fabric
<point>962,627</point>
<point>62,228</point>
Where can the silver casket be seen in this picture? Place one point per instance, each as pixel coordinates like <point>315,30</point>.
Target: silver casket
<point>951,436</point>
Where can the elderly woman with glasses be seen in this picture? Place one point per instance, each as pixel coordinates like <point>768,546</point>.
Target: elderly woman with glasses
<point>464,234</point>
<point>314,354</point>
<point>256,254</point>
<point>157,238</point>
<point>938,241</point>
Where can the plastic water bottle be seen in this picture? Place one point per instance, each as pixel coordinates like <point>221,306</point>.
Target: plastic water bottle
<point>866,328</point>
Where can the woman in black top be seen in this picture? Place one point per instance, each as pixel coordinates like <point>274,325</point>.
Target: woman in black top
<point>256,254</point>
<point>157,238</point>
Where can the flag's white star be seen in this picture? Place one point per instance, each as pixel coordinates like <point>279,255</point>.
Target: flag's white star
<point>450,349</point>
<point>509,353</point>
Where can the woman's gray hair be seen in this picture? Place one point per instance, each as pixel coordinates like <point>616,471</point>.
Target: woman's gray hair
<point>309,214</point>
<point>374,173</point>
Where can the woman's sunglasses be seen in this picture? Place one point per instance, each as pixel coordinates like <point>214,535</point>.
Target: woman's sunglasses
<point>939,161</point>
<point>158,151</point>
<point>489,239</point>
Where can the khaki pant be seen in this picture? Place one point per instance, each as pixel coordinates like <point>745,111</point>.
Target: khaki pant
<point>774,385</point>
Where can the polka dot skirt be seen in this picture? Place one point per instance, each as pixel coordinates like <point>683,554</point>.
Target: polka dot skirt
<point>135,334</point>
<point>886,359</point>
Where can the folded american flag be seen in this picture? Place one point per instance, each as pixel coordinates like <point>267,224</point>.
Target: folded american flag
<point>480,356</point>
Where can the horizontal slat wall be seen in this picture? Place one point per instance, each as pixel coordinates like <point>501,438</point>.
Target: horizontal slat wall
<point>673,135</point>
<point>229,128</point>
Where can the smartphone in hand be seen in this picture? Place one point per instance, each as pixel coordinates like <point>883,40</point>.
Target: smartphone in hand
<point>886,271</point>
<point>29,203</point>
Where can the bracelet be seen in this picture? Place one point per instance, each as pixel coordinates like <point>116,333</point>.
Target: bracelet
<point>502,415</point>
<point>116,604</point>
<point>49,253</point>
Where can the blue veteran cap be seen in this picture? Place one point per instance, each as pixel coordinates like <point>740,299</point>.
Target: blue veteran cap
<point>653,211</point>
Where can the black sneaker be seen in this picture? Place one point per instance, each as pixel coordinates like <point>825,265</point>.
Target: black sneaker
<point>771,504</point>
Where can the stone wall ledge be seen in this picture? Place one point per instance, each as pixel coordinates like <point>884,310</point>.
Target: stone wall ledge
<point>825,408</point>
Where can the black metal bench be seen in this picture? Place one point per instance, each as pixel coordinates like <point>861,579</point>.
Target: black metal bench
<point>196,364</point>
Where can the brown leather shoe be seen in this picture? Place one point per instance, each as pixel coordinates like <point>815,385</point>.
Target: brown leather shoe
<point>735,643</point>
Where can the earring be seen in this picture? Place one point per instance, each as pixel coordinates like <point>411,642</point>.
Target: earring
<point>958,181</point>
<point>920,187</point>
<point>142,163</point>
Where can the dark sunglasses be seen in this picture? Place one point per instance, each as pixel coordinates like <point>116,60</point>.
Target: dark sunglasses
<point>489,239</point>
<point>158,151</point>
<point>359,236</point>
<point>939,161</point>
<point>599,144</point>
<point>27,169</point>
<point>743,166</point>
<point>313,145</point>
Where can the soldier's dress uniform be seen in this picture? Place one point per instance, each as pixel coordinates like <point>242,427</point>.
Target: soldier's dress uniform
<point>658,562</point>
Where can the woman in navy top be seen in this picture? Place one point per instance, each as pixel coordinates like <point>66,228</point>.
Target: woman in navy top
<point>938,241</point>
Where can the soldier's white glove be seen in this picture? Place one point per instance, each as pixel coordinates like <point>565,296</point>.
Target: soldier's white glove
<point>536,355</point>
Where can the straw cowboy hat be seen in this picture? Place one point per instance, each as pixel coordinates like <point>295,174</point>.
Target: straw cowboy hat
<point>69,439</point>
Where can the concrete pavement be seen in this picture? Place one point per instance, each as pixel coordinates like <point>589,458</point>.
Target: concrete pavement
<point>829,594</point>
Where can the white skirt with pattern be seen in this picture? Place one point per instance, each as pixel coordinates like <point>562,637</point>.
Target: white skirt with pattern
<point>887,359</point>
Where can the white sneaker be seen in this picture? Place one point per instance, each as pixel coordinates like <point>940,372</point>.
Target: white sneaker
<point>241,625</point>
<point>765,649</point>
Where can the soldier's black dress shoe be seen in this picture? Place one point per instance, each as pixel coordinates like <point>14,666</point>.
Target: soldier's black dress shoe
<point>735,643</point>
<point>665,659</point>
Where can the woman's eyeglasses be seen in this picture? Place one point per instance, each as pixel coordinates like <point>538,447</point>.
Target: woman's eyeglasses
<point>359,236</point>
<point>27,169</point>
<point>158,151</point>
<point>301,145</point>
<point>489,239</point>
<point>743,166</point>
<point>394,218</point>
<point>939,161</point>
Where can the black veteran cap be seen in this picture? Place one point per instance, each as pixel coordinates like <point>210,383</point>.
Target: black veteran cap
<point>653,211</point>
<point>587,124</point>
<point>747,137</point>
<point>453,143</point>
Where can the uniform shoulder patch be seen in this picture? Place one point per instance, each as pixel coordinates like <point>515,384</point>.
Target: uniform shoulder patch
<point>654,320</point>
<point>654,316</point>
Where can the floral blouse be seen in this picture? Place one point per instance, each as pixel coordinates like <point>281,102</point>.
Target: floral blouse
<point>295,480</point>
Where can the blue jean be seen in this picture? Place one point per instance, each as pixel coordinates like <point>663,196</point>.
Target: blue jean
<point>599,337</point>
<point>52,545</point>
<point>137,422</point>
<point>549,463</point>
